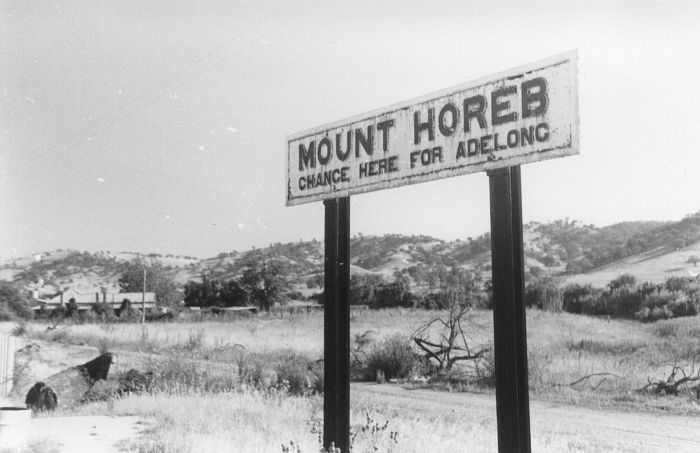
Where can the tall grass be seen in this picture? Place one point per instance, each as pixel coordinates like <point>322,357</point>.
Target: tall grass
<point>563,347</point>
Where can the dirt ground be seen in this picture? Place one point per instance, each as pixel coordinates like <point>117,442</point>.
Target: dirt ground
<point>607,430</point>
<point>38,360</point>
<point>94,433</point>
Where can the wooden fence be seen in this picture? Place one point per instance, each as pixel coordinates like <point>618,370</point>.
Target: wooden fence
<point>7,364</point>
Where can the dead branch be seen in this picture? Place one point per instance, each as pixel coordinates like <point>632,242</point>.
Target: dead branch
<point>671,385</point>
<point>585,379</point>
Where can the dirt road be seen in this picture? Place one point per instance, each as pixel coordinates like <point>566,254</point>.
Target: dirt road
<point>596,430</point>
<point>79,434</point>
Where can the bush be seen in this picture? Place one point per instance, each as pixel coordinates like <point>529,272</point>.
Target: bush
<point>13,303</point>
<point>298,375</point>
<point>544,295</point>
<point>667,304</point>
<point>388,295</point>
<point>99,312</point>
<point>433,301</point>
<point>180,371</point>
<point>393,355</point>
<point>622,301</point>
<point>623,281</point>
<point>281,370</point>
<point>679,284</point>
<point>582,299</point>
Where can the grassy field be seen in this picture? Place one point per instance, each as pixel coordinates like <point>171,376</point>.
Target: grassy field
<point>563,349</point>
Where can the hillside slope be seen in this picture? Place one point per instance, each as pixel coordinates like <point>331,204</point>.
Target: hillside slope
<point>566,249</point>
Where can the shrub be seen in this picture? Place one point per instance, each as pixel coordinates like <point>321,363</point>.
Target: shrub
<point>666,304</point>
<point>679,284</point>
<point>623,281</point>
<point>296,295</point>
<point>281,370</point>
<point>394,294</point>
<point>298,375</point>
<point>582,299</point>
<point>393,355</point>
<point>99,312</point>
<point>181,372</point>
<point>544,295</point>
<point>622,301</point>
<point>6,315</point>
<point>13,303</point>
<point>433,301</point>
<point>20,329</point>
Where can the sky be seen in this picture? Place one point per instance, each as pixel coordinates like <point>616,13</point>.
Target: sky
<point>159,126</point>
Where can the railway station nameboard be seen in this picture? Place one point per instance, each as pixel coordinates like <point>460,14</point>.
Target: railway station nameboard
<point>523,115</point>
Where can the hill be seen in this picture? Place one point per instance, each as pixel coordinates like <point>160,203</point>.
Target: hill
<point>566,249</point>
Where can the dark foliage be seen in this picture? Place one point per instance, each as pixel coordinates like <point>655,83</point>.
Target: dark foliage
<point>41,398</point>
<point>134,381</point>
<point>213,293</point>
<point>543,294</point>
<point>363,288</point>
<point>645,302</point>
<point>264,284</point>
<point>13,303</point>
<point>393,355</point>
<point>97,368</point>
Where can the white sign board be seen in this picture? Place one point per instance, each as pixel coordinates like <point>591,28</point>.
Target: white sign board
<point>522,115</point>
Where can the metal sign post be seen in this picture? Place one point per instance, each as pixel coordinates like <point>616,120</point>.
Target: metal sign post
<point>493,124</point>
<point>336,332</point>
<point>509,329</point>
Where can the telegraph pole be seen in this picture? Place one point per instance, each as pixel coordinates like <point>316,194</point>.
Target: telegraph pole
<point>143,298</point>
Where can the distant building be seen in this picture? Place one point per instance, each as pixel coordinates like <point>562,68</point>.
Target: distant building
<point>86,299</point>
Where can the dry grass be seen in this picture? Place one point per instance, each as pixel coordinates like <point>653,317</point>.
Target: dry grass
<point>302,333</point>
<point>251,421</point>
<point>562,349</point>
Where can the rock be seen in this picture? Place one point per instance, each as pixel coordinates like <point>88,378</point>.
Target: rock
<point>41,398</point>
<point>70,386</point>
<point>133,381</point>
<point>102,390</point>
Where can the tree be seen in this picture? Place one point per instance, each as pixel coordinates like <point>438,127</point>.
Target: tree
<point>444,339</point>
<point>213,293</point>
<point>157,281</point>
<point>13,303</point>
<point>694,259</point>
<point>264,284</point>
<point>363,288</point>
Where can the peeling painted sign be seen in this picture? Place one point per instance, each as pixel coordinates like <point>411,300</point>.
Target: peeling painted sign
<point>522,115</point>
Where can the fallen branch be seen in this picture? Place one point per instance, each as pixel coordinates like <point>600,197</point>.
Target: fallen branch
<point>671,386</point>
<point>588,376</point>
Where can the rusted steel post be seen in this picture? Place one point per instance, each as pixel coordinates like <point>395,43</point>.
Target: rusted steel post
<point>510,341</point>
<point>336,332</point>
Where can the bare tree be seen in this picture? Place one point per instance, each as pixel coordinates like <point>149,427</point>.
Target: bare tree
<point>443,339</point>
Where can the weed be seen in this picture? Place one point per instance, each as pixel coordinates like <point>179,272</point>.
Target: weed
<point>195,340</point>
<point>20,329</point>
<point>615,348</point>
<point>371,433</point>
<point>104,345</point>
